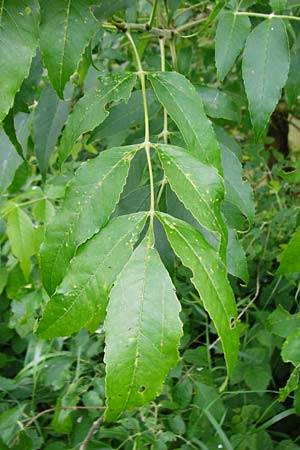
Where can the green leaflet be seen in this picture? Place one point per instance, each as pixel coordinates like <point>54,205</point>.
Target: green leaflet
<point>184,105</point>
<point>292,87</point>
<point>19,39</point>
<point>198,186</point>
<point>289,260</point>
<point>231,34</point>
<point>235,257</point>
<point>210,280</point>
<point>218,104</point>
<point>66,28</point>
<point>282,323</point>
<point>90,199</point>
<point>49,118</point>
<point>290,351</point>
<point>90,110</point>
<point>238,190</point>
<point>278,6</point>
<point>83,293</point>
<point>9,161</point>
<point>21,236</point>
<point>265,70</point>
<point>143,331</point>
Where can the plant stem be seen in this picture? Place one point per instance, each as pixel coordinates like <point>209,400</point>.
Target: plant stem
<point>147,144</point>
<point>266,16</point>
<point>165,132</point>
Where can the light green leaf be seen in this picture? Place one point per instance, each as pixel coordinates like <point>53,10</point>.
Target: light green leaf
<point>143,331</point>
<point>50,116</point>
<point>66,28</point>
<point>290,351</point>
<point>9,161</point>
<point>289,259</point>
<point>210,280</point>
<point>265,70</point>
<point>238,190</point>
<point>90,199</point>
<point>278,6</point>
<point>235,258</point>
<point>292,87</point>
<point>82,296</point>
<point>184,105</point>
<point>90,110</point>
<point>21,236</point>
<point>218,104</point>
<point>198,186</point>
<point>282,323</point>
<point>19,39</point>
<point>231,34</point>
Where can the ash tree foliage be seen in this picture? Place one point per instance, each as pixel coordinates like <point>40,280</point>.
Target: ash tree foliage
<point>115,164</point>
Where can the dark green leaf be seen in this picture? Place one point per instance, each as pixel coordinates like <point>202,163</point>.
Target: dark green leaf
<point>265,70</point>
<point>143,330</point>
<point>82,296</point>
<point>292,88</point>
<point>90,199</point>
<point>236,258</point>
<point>210,280</point>
<point>278,6</point>
<point>66,28</point>
<point>19,39</point>
<point>231,34</point>
<point>50,116</point>
<point>180,99</point>
<point>90,110</point>
<point>218,104</point>
<point>9,161</point>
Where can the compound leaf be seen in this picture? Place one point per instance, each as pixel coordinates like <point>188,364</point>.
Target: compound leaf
<point>185,106</point>
<point>143,331</point>
<point>90,199</point>
<point>83,293</point>
<point>265,70</point>
<point>66,28</point>
<point>19,39</point>
<point>210,280</point>
<point>90,110</point>
<point>231,34</point>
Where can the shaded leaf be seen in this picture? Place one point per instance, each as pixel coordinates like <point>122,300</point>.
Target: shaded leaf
<point>210,280</point>
<point>218,104</point>
<point>282,323</point>
<point>143,330</point>
<point>50,116</point>
<point>9,161</point>
<point>231,34</point>
<point>83,293</point>
<point>235,258</point>
<point>66,28</point>
<point>90,110</point>
<point>19,39</point>
<point>278,6</point>
<point>238,190</point>
<point>90,199</point>
<point>181,101</point>
<point>292,87</point>
<point>265,70</point>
